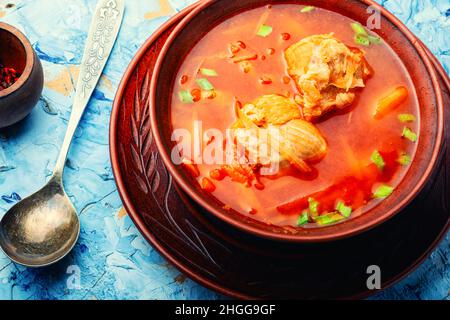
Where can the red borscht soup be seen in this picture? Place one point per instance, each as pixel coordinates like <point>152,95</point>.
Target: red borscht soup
<point>335,103</point>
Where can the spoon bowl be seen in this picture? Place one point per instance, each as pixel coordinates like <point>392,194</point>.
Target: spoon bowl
<point>42,228</point>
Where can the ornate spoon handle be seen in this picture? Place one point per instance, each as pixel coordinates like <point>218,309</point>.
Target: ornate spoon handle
<point>101,38</point>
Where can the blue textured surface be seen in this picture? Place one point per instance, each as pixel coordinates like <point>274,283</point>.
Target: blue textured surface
<point>114,260</point>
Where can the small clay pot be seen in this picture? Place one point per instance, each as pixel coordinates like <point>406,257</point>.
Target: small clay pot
<point>17,101</point>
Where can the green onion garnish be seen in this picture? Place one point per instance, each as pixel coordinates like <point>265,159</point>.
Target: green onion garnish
<point>409,134</point>
<point>185,96</point>
<point>378,160</point>
<point>329,218</point>
<point>362,40</point>
<point>362,37</point>
<point>346,211</point>
<point>313,207</point>
<point>406,117</point>
<point>383,191</point>
<point>404,159</point>
<point>303,218</point>
<point>359,29</point>
<point>307,9</point>
<point>208,72</point>
<point>205,84</point>
<point>264,30</point>
<point>374,39</point>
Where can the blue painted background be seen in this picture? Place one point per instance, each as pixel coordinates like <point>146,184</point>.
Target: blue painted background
<point>112,258</point>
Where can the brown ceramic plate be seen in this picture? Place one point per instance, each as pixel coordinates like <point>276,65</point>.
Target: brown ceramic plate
<point>240,265</point>
<point>210,13</point>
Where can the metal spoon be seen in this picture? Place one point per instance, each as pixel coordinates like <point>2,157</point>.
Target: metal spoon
<point>43,228</point>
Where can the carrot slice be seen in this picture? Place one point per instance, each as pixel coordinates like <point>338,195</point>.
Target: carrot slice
<point>390,102</point>
<point>207,185</point>
<point>217,174</point>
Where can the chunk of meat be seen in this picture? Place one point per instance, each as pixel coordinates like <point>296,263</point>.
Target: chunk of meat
<point>300,142</point>
<point>332,98</point>
<point>326,72</point>
<point>304,139</point>
<point>271,109</point>
<point>274,121</point>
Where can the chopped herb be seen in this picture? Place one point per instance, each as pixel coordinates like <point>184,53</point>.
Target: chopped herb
<point>404,159</point>
<point>208,72</point>
<point>362,37</point>
<point>359,29</point>
<point>205,84</point>
<point>303,218</point>
<point>406,117</point>
<point>362,40</point>
<point>264,30</point>
<point>307,9</point>
<point>346,211</point>
<point>378,160</point>
<point>409,134</point>
<point>313,207</point>
<point>383,191</point>
<point>374,39</point>
<point>329,218</point>
<point>185,96</point>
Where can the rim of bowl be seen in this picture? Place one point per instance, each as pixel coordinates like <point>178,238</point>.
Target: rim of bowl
<point>188,188</point>
<point>29,63</point>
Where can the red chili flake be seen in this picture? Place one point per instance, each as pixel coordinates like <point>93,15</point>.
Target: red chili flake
<point>286,80</point>
<point>8,76</point>
<point>269,6</point>
<point>210,140</point>
<point>241,44</point>
<point>196,95</point>
<point>252,211</point>
<point>285,36</point>
<point>207,185</point>
<point>184,79</point>
<point>263,58</point>
<point>270,51</point>
<point>217,174</point>
<point>238,104</point>
<point>265,80</point>
<point>259,186</point>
